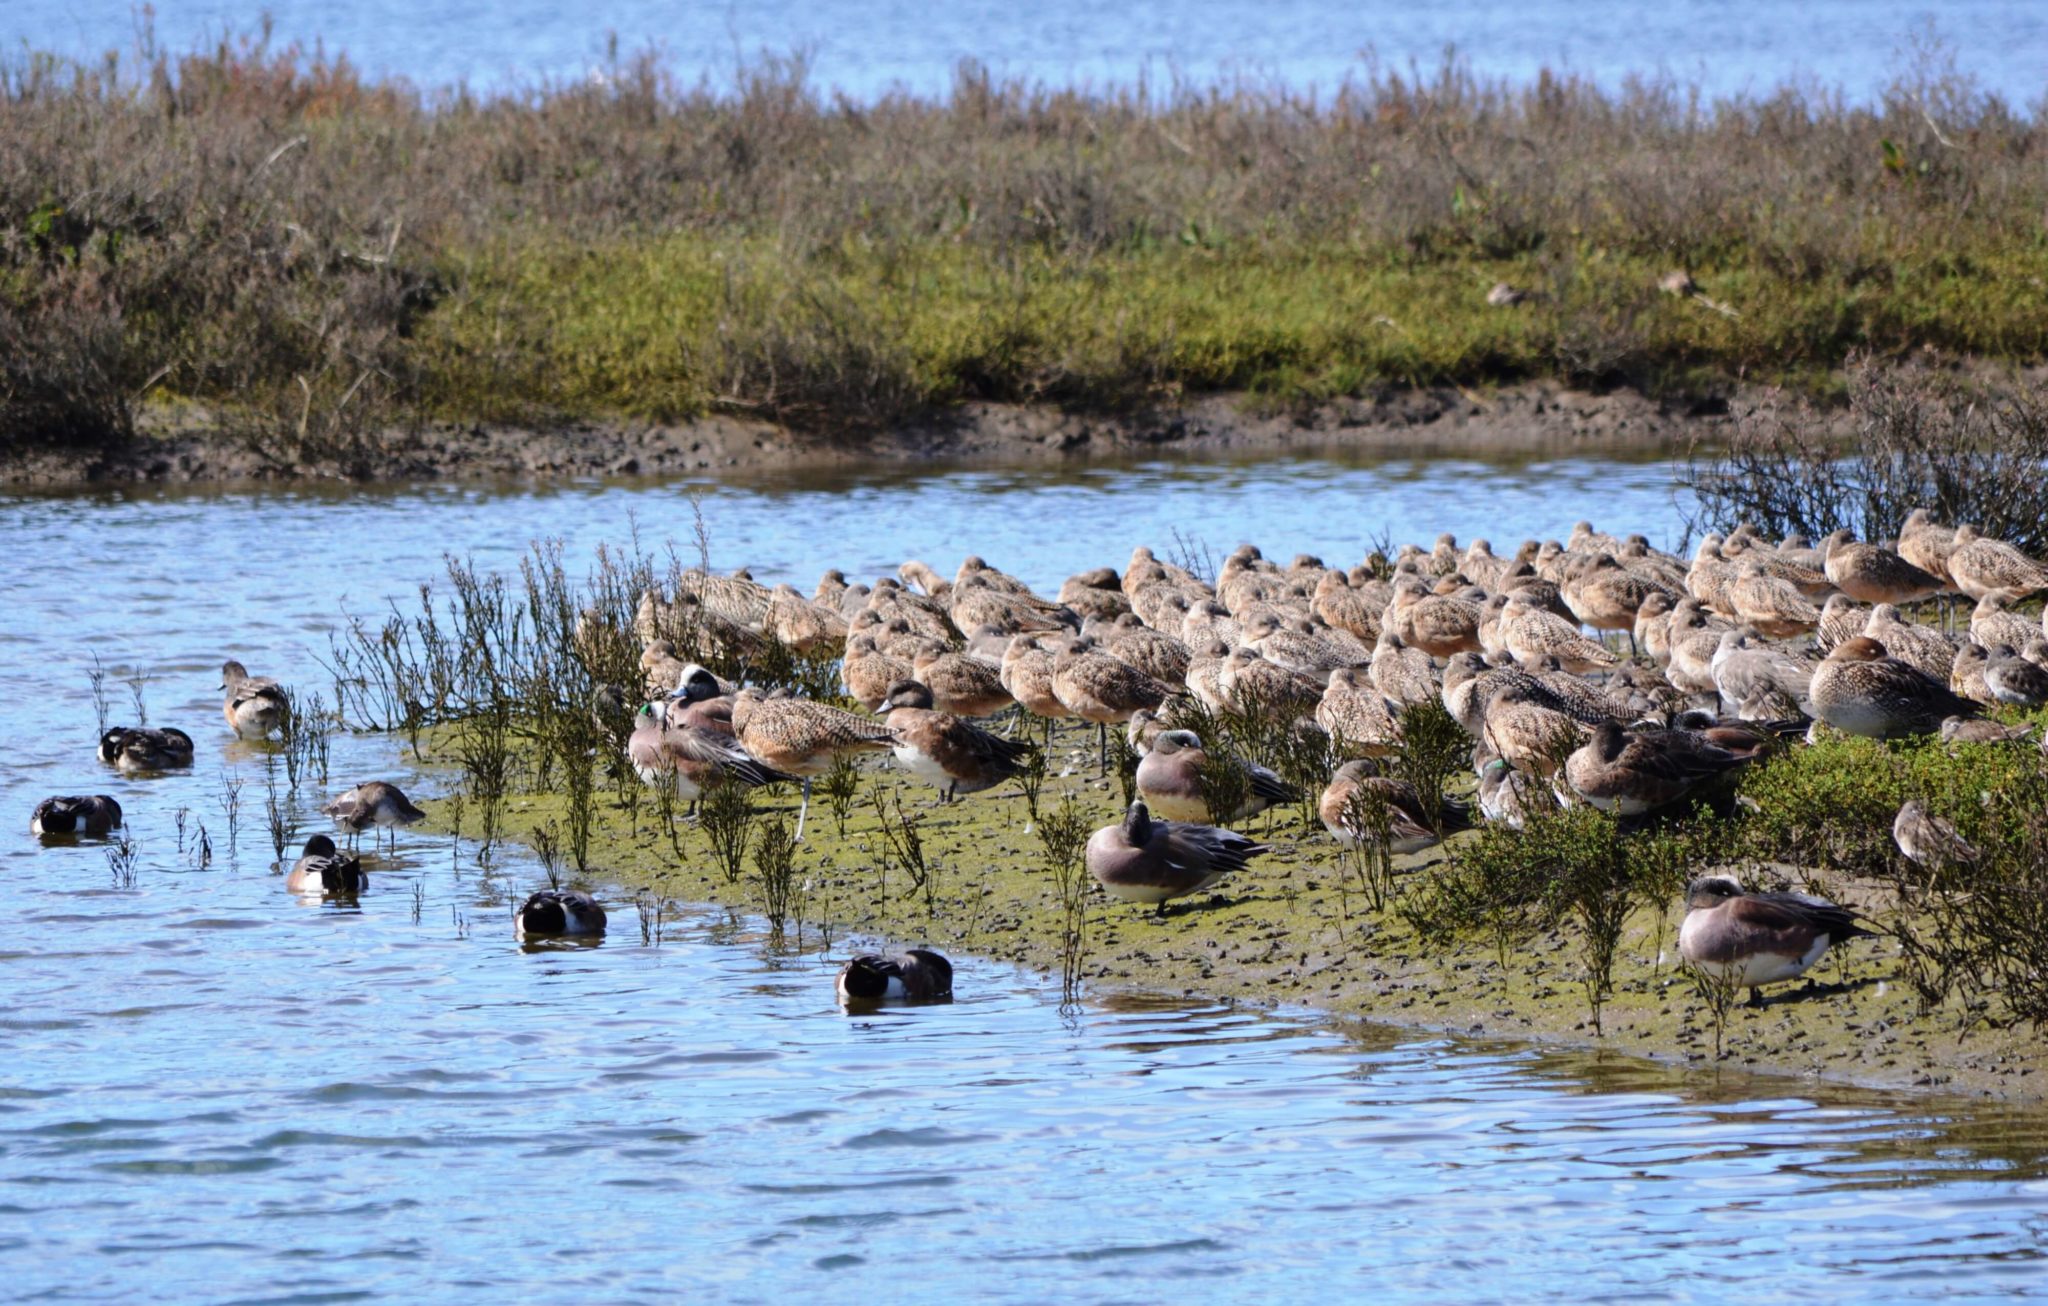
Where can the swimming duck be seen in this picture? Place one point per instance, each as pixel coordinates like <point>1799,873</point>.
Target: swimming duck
<point>324,870</point>
<point>954,754</point>
<point>918,975</point>
<point>559,911</point>
<point>255,705</point>
<point>1752,939</point>
<point>1147,861</point>
<point>94,814</point>
<point>134,749</point>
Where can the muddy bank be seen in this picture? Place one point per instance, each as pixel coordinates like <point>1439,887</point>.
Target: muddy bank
<point>1292,932</point>
<point>1537,419</point>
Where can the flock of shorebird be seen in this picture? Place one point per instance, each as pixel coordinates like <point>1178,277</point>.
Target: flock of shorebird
<point>1730,652</point>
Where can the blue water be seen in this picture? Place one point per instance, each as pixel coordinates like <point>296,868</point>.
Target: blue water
<point>865,47</point>
<point>212,1091</point>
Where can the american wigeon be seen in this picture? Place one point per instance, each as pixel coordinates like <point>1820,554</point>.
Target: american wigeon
<point>1171,779</point>
<point>1748,940</point>
<point>956,755</point>
<point>1147,861</point>
<point>254,705</point>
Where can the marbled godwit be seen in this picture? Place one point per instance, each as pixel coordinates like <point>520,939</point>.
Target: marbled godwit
<point>798,623</point>
<point>1773,606</point>
<point>1438,625</point>
<point>1096,687</point>
<point>961,684</point>
<point>1910,642</point>
<point>1872,574</point>
<point>867,672</point>
<point>1993,623</point>
<point>1980,566</point>
<point>1147,861</point>
<point>663,745</point>
<point>1841,617</point>
<point>1606,596</point>
<point>1403,675</point>
<point>1355,714</point>
<point>802,738</point>
<point>1747,940</point>
<point>1531,634</point>
<point>1743,664</point>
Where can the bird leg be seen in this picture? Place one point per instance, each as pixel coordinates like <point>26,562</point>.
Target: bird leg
<point>804,810</point>
<point>1102,748</point>
<point>1756,998</point>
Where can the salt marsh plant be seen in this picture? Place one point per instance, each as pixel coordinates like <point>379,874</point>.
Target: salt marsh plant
<point>280,812</point>
<point>1367,864</point>
<point>121,854</point>
<point>1064,834</point>
<point>775,862</point>
<point>840,787</point>
<point>901,831</point>
<point>1433,748</point>
<point>230,800</point>
<point>96,677</point>
<point>725,817</point>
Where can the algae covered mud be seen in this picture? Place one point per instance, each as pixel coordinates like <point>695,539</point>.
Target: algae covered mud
<point>219,1091</point>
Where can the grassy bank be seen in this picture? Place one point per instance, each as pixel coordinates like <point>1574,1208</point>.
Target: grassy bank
<point>308,259</point>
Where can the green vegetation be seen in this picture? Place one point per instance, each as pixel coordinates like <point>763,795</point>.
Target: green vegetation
<point>264,241</point>
<point>1565,929</point>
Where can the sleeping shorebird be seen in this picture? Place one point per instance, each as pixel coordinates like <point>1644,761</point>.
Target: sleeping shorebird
<point>802,738</point>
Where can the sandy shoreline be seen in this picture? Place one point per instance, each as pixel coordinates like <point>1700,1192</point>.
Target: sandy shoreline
<point>1539,418</point>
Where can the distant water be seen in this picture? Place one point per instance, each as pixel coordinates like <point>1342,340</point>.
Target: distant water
<point>863,47</point>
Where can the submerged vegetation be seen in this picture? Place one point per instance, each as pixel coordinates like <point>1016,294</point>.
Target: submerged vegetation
<point>263,241</point>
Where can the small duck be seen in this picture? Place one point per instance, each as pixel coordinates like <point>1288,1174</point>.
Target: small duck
<point>1170,779</point>
<point>1752,939</point>
<point>255,705</point>
<point>1343,809</point>
<point>664,742</point>
<point>1928,840</point>
<point>374,802</point>
<point>1146,861</point>
<point>139,749</point>
<point>559,912</point>
<point>94,814</point>
<point>950,752</point>
<point>1861,690</point>
<point>322,869</point>
<point>919,975</point>
<point>1629,773</point>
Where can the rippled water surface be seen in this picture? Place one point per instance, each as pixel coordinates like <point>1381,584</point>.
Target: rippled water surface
<point>216,1092</point>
